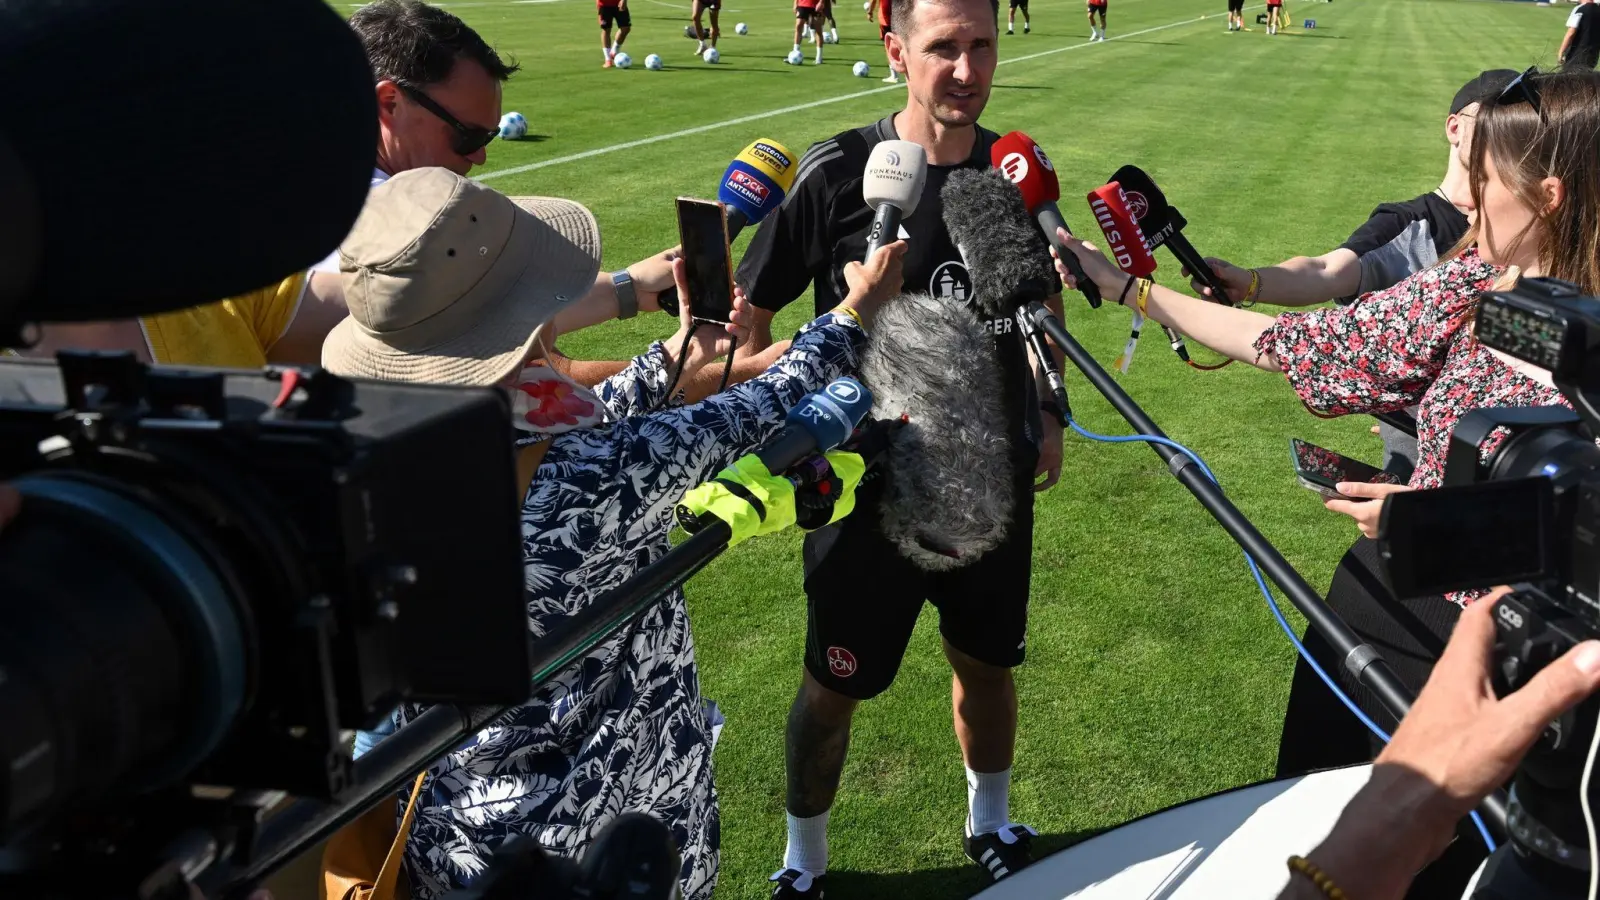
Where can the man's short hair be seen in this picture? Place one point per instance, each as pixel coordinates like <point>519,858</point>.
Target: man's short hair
<point>900,12</point>
<point>414,43</point>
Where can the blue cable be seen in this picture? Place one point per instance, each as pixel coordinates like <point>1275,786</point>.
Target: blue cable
<point>1272,603</point>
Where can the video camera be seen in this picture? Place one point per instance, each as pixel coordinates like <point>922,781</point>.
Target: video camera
<point>1520,506</point>
<point>216,575</point>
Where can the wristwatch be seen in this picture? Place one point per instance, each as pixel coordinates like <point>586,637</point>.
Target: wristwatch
<point>627,300</point>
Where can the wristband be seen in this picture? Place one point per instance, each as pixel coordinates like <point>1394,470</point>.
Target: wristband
<point>1145,285</point>
<point>845,310</point>
<point>627,299</point>
<point>1053,410</point>
<point>1255,289</point>
<point>1302,866</point>
<point>1122,298</point>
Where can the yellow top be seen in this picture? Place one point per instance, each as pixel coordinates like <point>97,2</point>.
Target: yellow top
<point>234,333</point>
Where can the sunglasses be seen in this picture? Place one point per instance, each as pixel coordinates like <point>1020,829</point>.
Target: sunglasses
<point>469,139</point>
<point>1523,89</point>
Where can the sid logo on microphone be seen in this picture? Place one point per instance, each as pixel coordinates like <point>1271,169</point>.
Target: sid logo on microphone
<point>1015,167</point>
<point>1137,204</point>
<point>1108,225</point>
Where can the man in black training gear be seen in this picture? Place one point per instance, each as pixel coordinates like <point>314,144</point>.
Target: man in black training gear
<point>863,597</point>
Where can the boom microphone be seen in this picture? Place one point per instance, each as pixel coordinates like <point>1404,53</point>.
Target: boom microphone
<point>951,487</point>
<point>246,203</point>
<point>754,185</point>
<point>987,221</point>
<point>1163,226</point>
<point>892,187</point>
<point>1025,163</point>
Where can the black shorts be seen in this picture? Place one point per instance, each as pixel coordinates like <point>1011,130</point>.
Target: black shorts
<point>863,599</point>
<point>1020,4</point>
<point>1236,6</point>
<point>710,4</point>
<point>1097,7</point>
<point>610,15</point>
<point>805,13</point>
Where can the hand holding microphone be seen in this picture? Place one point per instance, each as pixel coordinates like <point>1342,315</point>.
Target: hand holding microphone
<point>873,283</point>
<point>1234,280</point>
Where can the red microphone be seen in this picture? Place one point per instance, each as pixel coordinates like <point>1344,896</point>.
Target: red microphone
<point>1124,240</point>
<point>1026,165</point>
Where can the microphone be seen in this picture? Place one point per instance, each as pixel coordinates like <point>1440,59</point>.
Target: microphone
<point>892,186</point>
<point>1126,243</point>
<point>950,485</point>
<point>247,202</point>
<point>1003,251</point>
<point>1163,226</point>
<point>821,421</point>
<point>987,220</point>
<point>753,185</point>
<point>1025,163</point>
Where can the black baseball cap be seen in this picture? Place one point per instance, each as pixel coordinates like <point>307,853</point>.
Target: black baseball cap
<point>1487,84</point>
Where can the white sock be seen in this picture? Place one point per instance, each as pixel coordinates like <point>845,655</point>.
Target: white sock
<point>808,844</point>
<point>604,52</point>
<point>988,801</point>
<point>797,48</point>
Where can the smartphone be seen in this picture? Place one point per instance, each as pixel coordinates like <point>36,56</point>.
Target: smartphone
<point>703,230</point>
<point>1321,469</point>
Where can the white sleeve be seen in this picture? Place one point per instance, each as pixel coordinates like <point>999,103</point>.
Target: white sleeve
<point>1575,18</point>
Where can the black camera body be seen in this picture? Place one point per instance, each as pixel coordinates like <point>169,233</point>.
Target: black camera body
<point>216,573</point>
<point>1526,515</point>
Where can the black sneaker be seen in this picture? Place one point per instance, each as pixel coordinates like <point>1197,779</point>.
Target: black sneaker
<point>797,883</point>
<point>1002,852</point>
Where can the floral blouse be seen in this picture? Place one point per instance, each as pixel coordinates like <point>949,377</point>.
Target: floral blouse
<point>1409,345</point>
<point>623,728</point>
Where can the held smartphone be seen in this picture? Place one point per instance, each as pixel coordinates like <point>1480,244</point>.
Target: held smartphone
<point>1321,469</point>
<point>708,263</point>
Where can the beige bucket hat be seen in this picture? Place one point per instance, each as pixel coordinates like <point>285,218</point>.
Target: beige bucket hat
<point>450,282</point>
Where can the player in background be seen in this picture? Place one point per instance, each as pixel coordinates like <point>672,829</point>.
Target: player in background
<point>878,11</point>
<point>696,9</point>
<point>1274,15</point>
<point>1581,44</point>
<point>1235,15</point>
<point>1027,23</point>
<point>612,12</point>
<point>825,11</point>
<point>806,21</point>
<point>1095,33</point>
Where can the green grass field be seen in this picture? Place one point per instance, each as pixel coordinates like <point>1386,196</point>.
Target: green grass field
<point>1155,672</point>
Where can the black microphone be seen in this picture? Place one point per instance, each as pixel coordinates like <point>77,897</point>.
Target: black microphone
<point>206,193</point>
<point>1163,226</point>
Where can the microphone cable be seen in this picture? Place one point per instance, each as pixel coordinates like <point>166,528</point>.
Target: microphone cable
<point>1058,385</point>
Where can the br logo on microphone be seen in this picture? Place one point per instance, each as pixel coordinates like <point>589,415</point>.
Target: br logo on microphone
<point>841,662</point>
<point>951,281</point>
<point>1015,166</point>
<point>1137,204</point>
<point>1038,153</point>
